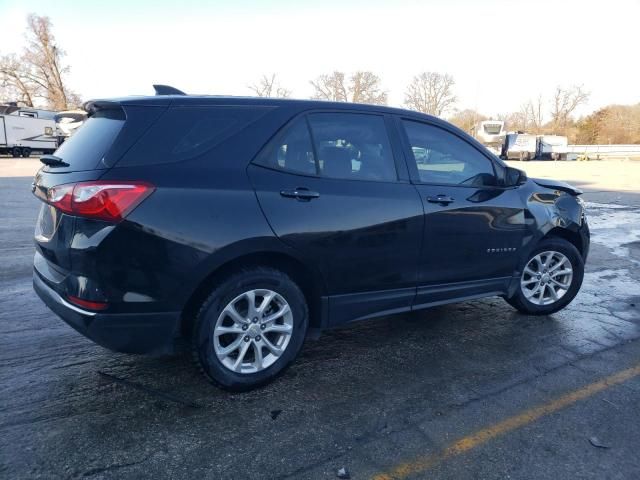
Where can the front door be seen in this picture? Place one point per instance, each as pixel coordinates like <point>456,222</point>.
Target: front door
<point>328,186</point>
<point>474,227</point>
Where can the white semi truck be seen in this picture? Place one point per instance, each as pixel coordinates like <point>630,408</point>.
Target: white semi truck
<point>23,131</point>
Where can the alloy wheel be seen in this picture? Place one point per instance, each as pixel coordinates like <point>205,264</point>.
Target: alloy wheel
<point>546,278</point>
<point>253,331</point>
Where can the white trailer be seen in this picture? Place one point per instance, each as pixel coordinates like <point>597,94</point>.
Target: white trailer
<point>20,135</point>
<point>552,147</point>
<point>519,146</point>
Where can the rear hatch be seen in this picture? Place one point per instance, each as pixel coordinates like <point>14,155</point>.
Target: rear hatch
<point>111,129</point>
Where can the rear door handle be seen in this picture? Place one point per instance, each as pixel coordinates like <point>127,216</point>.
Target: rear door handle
<point>301,193</point>
<point>441,199</point>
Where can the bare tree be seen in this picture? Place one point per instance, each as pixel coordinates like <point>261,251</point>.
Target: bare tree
<point>430,92</point>
<point>361,87</point>
<point>517,121</point>
<point>533,112</point>
<point>330,87</point>
<point>267,86</point>
<point>15,84</point>
<point>39,74</point>
<point>365,87</point>
<point>467,119</point>
<point>564,103</point>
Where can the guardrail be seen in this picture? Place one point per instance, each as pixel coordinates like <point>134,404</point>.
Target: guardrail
<point>597,152</point>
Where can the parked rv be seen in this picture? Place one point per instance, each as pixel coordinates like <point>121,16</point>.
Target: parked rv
<point>68,122</point>
<point>551,147</point>
<point>491,134</point>
<point>519,146</point>
<point>23,131</point>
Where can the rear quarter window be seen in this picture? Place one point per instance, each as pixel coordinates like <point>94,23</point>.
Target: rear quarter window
<point>183,133</point>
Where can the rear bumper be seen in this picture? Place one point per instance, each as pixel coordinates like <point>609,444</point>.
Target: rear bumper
<point>122,332</point>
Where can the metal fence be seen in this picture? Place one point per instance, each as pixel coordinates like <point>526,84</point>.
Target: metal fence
<point>598,152</point>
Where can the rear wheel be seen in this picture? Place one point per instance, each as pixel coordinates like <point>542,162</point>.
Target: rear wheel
<point>26,152</point>
<point>551,278</point>
<point>16,152</point>
<point>250,329</point>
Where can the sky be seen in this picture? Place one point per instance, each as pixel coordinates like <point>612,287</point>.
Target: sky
<point>500,53</point>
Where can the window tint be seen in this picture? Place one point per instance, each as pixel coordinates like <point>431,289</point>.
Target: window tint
<point>352,146</point>
<point>88,145</point>
<point>291,150</point>
<point>182,133</point>
<point>442,157</point>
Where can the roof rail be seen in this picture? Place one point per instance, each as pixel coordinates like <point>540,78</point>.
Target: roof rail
<point>167,90</point>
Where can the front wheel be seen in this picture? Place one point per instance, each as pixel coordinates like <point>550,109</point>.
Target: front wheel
<point>250,329</point>
<point>551,278</point>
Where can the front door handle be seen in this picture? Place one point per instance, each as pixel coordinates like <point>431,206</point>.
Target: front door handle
<point>441,199</point>
<point>301,193</point>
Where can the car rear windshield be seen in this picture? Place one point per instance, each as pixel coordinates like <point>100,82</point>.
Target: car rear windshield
<point>89,144</point>
<point>183,133</point>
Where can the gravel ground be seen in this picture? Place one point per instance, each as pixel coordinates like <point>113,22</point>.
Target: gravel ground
<point>386,397</point>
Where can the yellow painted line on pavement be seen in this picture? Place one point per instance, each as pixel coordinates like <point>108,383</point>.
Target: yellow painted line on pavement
<point>481,437</point>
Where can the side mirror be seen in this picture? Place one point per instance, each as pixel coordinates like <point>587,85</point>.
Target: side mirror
<point>515,177</point>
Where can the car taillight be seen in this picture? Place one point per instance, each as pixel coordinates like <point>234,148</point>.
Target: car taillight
<point>87,303</point>
<point>103,200</point>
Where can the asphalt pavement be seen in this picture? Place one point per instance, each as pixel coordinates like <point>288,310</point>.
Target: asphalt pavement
<point>472,390</point>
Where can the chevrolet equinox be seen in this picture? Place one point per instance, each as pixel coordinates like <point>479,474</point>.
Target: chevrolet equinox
<point>246,224</point>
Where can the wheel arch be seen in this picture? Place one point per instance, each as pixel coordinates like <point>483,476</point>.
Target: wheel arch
<point>310,283</point>
<point>572,237</point>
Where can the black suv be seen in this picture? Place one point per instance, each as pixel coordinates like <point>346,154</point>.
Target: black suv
<point>247,224</point>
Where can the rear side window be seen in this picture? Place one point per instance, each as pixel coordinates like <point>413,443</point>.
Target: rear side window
<point>352,146</point>
<point>87,146</point>
<point>348,146</point>
<point>291,150</point>
<point>183,133</point>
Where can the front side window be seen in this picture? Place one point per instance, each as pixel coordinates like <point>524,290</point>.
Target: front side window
<point>442,157</point>
<point>352,146</point>
<point>291,151</point>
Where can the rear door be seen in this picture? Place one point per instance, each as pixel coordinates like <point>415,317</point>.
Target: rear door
<point>474,227</point>
<point>329,186</point>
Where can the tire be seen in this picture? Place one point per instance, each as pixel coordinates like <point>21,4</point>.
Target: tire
<point>26,152</point>
<point>208,344</point>
<point>529,304</point>
<point>16,152</point>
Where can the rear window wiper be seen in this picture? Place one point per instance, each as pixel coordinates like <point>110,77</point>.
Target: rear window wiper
<point>53,161</point>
